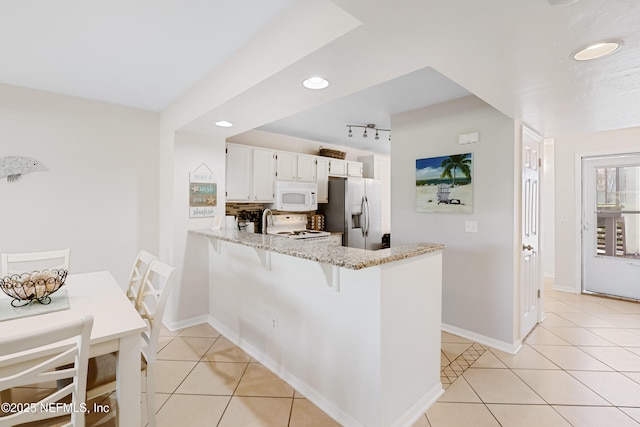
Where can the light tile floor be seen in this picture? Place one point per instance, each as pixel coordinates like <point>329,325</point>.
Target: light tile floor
<point>580,367</point>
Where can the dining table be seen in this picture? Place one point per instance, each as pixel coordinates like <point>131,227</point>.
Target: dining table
<point>117,327</point>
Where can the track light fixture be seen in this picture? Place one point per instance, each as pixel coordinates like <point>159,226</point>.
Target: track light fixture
<point>367,127</point>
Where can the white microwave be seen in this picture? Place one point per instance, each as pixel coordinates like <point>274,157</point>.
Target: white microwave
<point>295,196</point>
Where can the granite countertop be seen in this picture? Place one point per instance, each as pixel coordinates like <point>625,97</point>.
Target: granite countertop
<point>323,252</point>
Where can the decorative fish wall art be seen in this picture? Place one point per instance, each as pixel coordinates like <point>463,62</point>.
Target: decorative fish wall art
<point>13,167</point>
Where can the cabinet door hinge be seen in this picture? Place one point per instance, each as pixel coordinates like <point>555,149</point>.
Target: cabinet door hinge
<point>226,150</point>
<point>538,293</point>
<point>539,161</point>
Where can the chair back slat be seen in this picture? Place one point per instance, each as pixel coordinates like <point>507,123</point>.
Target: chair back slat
<point>32,358</point>
<point>21,262</point>
<point>152,301</point>
<point>140,267</point>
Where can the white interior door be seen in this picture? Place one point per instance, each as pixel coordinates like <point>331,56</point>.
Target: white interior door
<point>530,256</point>
<point>611,225</point>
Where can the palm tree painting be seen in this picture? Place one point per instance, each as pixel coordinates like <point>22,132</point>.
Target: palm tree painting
<point>444,184</point>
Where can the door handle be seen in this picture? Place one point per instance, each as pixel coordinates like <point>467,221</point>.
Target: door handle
<point>527,248</point>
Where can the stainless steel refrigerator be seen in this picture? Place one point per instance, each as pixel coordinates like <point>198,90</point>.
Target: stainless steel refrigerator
<point>355,209</point>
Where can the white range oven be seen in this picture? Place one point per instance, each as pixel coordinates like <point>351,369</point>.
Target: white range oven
<point>294,226</point>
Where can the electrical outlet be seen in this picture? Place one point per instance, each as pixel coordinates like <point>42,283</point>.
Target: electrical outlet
<point>471,226</point>
<point>274,323</point>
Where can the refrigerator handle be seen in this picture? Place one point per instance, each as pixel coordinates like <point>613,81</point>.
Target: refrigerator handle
<point>367,218</point>
<point>363,214</point>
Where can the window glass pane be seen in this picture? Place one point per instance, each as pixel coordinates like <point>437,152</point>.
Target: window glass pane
<point>618,206</point>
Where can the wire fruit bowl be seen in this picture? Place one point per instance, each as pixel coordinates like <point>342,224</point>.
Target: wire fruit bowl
<point>26,287</point>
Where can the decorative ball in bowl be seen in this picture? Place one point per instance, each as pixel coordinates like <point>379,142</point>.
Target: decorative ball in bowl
<point>26,287</point>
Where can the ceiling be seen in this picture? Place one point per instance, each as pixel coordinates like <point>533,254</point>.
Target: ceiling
<point>327,123</point>
<point>381,58</point>
<point>138,53</point>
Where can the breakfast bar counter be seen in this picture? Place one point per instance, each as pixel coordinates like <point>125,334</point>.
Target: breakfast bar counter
<point>340,256</point>
<point>357,332</point>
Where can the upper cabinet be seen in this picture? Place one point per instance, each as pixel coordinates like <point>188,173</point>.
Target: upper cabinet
<point>264,167</point>
<point>295,167</point>
<point>322,179</point>
<point>354,169</point>
<point>306,168</point>
<point>252,171</point>
<point>339,167</point>
<point>238,181</point>
<point>250,174</point>
<point>286,166</point>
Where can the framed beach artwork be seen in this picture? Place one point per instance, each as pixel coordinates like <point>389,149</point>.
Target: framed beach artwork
<point>444,184</point>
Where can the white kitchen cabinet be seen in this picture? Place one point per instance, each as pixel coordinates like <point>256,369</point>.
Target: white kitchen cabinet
<point>337,167</point>
<point>286,166</point>
<point>322,179</point>
<point>238,176</point>
<point>250,173</point>
<point>263,174</point>
<point>295,167</point>
<point>354,169</point>
<point>306,171</point>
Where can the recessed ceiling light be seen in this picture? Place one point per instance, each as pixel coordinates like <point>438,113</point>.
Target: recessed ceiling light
<point>597,50</point>
<point>315,83</point>
<point>224,124</point>
<point>561,2</point>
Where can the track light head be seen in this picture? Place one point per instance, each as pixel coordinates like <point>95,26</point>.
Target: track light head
<point>366,128</point>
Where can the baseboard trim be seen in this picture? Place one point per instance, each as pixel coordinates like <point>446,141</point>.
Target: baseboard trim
<point>511,348</point>
<point>418,409</point>
<point>194,321</point>
<point>406,420</point>
<point>569,289</point>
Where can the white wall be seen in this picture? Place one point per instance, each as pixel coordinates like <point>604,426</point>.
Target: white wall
<point>567,194</point>
<point>100,195</point>
<point>280,142</point>
<point>190,303</point>
<point>478,268</point>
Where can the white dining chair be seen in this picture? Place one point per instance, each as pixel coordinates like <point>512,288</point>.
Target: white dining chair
<point>31,358</point>
<point>151,302</point>
<point>140,266</point>
<point>21,262</point>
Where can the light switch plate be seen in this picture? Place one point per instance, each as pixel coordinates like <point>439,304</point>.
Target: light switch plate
<point>471,226</point>
<point>468,138</point>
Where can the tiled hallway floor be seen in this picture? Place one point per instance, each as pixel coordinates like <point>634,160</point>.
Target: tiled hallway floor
<point>580,367</point>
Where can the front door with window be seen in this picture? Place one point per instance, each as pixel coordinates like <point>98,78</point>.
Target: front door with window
<point>611,225</point>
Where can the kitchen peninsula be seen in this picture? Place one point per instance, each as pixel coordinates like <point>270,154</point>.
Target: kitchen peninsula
<point>357,332</point>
